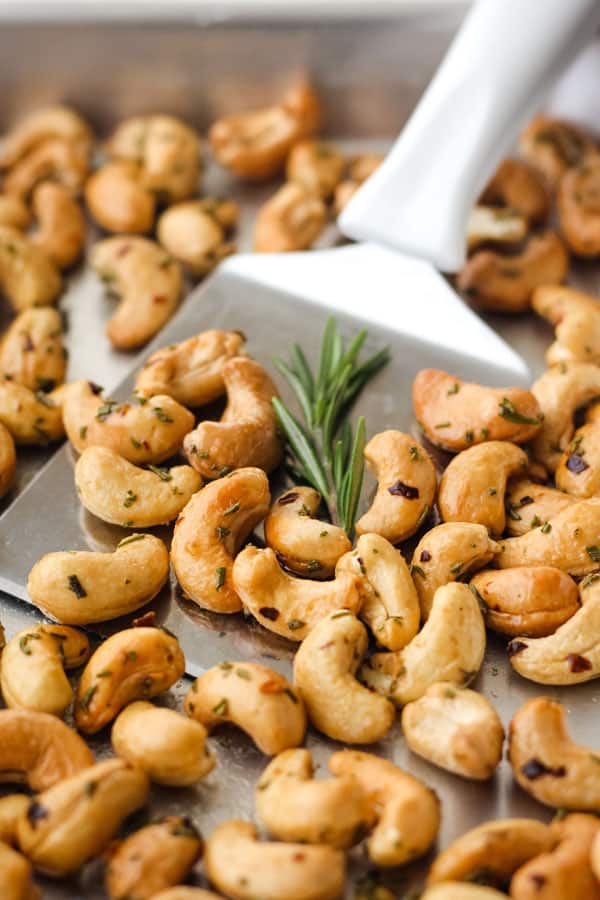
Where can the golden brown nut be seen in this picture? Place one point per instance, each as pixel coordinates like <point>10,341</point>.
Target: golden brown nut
<point>359,170</point>
<point>134,664</point>
<point>55,160</point>
<point>578,472</point>
<point>576,316</point>
<point>118,201</point>
<point>292,219</point>
<point>529,505</point>
<point>317,166</point>
<point>247,433</point>
<point>255,698</point>
<point>518,185</point>
<point>456,414</point>
<point>11,807</point>
<point>152,859</point>
<point>31,418</point>
<point>194,234</point>
<point>27,276</point>
<point>31,350</point>
<point>553,146</point>
<point>38,126</point>
<point>578,204</point>
<point>16,876</point>
<point>495,225</point>
<point>14,212</point>
<point>61,225</point>
<point>8,460</point>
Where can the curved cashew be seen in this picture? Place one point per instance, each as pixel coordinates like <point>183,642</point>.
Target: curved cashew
<point>134,664</point>
<point>295,807</point>
<point>317,166</point>
<point>74,820</point>
<point>304,544</point>
<point>553,146</point>
<point>495,225</point>
<point>194,233</point>
<point>14,212</point>
<point>408,812</point>
<point>143,430</point>
<point>406,484</point>
<point>505,283</point>
<point>33,663</point>
<point>118,201</point>
<point>577,319</point>
<point>11,807</point>
<point>61,224</point>
<point>519,186</point>
<point>116,491</point>
<point>529,505</point>
<point>247,433</point>
<point>255,698</point>
<point>449,647</point>
<point>31,418</point>
<point>284,604</point>
<point>456,414</point>
<point>31,350</point>
<point>455,729</point>
<point>170,748</point>
<point>359,170</point>
<point>473,485</point>
<point>324,668</point>
<point>27,276</point>
<point>192,371</point>
<point>56,160</point>
<point>531,600</point>
<point>39,749</point>
<point>16,877</point>
<point>255,145</point>
<point>152,859</point>
<point>390,603</point>
<point>210,530</point>
<point>8,460</point>
<point>445,554</point>
<point>578,472</point>
<point>48,122</point>
<point>292,219</point>
<point>579,209</point>
<point>79,587</point>
<point>459,890</point>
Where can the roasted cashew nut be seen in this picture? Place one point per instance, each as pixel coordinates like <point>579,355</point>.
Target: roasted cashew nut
<point>285,604</point>
<point>578,472</point>
<point>8,460</point>
<point>553,146</point>
<point>473,485</point>
<point>11,807</point>
<point>324,668</point>
<point>118,492</point>
<point>61,225</point>
<point>456,414</point>
<point>33,663</point>
<point>39,749</point>
<point>408,812</point>
<point>209,532</point>
<point>192,371</point>
<point>243,867</point>
<point>578,204</point>
<point>529,505</point>
<point>576,317</point>
<point>14,212</point>
<point>390,603</point>
<point>296,807</point>
<point>27,276</point>
<point>292,219</point>
<point>133,664</point>
<point>152,859</point>
<point>528,600</point>
<point>247,433</point>
<point>254,698</point>
<point>31,350</point>
<point>169,747</point>
<point>54,160</point>
<point>74,820</point>
<point>456,729</point>
<point>16,877</point>
<point>519,186</point>
<point>495,225</point>
<point>80,587</point>
<point>32,418</point>
<point>445,554</point>
<point>118,201</point>
<point>143,430</point>
<point>359,170</point>
<point>195,233</point>
<point>406,485</point>
<point>48,122</point>
<point>317,166</point>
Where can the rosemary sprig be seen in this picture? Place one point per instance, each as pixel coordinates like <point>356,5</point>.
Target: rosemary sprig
<point>325,450</point>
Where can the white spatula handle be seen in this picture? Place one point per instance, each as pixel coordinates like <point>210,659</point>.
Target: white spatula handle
<point>501,63</point>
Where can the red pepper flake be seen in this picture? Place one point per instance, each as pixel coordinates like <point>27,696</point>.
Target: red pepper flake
<point>400,489</point>
<point>148,620</point>
<point>273,686</point>
<point>327,645</point>
<point>298,857</point>
<point>578,663</point>
<point>159,298</point>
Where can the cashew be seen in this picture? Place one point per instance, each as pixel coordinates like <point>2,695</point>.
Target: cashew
<point>304,544</point>
<point>456,414</point>
<point>242,867</point>
<point>74,820</point>
<point>390,603</point>
<point>408,812</point>
<point>31,350</point>
<point>16,876</point>
<point>473,485</point>
<point>194,233</point>
<point>445,554</point>
<point>553,146</point>
<point>8,460</point>
<point>595,857</point>
<point>152,859</point>
<point>317,166</point>
<point>255,698</point>
<point>531,600</point>
<point>255,145</point>
<point>170,748</point>
<point>406,484</point>
<point>118,201</point>
<point>458,890</point>
<point>295,807</point>
<point>505,283</point>
<point>210,530</point>
<point>27,276</point>
<point>192,371</point>
<point>547,763</point>
<point>116,491</point>
<point>79,587</point>
<point>449,647</point>
<point>247,433</point>
<point>578,204</point>
<point>578,472</point>
<point>284,604</point>
<point>56,160</point>
<point>167,150</point>
<point>518,185</point>
<point>565,871</point>
<point>61,224</point>
<point>455,729</point>
<point>292,219</point>
<point>134,664</point>
<point>529,505</point>
<point>33,663</point>
<point>31,418</point>
<point>39,749</point>
<point>48,122</point>
<point>324,668</point>
<point>577,319</point>
<point>493,225</point>
<point>144,430</point>
<point>497,848</point>
<point>14,212</point>
<point>360,169</point>
<point>11,807</point>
